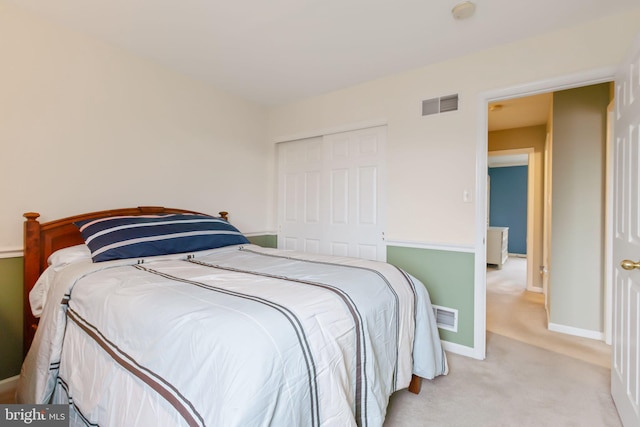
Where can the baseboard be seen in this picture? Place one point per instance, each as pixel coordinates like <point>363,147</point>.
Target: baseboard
<point>517,255</point>
<point>462,350</point>
<point>570,330</point>
<point>536,289</point>
<point>9,384</point>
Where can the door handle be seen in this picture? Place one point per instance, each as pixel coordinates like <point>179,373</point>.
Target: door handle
<point>630,265</point>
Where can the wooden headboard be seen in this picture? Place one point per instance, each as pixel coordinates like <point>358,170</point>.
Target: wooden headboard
<point>42,239</point>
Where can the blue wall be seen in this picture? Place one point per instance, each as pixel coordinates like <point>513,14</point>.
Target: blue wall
<point>508,204</point>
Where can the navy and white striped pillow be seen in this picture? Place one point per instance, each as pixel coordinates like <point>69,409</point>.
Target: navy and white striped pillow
<point>120,237</point>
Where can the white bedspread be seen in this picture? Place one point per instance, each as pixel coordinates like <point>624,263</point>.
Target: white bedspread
<point>238,336</point>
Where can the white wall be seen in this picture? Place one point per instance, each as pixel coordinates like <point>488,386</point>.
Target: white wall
<point>432,160</point>
<point>86,126</point>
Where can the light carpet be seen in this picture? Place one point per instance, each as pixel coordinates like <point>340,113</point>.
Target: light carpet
<point>516,385</point>
<point>514,312</point>
<point>531,376</point>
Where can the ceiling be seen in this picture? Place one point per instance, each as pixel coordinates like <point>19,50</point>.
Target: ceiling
<point>277,51</point>
<point>513,113</point>
<point>520,112</point>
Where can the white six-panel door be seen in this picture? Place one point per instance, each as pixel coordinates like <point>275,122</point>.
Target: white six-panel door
<point>331,194</point>
<point>300,166</point>
<point>625,366</point>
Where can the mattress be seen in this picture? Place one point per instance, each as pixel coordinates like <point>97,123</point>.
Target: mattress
<point>234,336</point>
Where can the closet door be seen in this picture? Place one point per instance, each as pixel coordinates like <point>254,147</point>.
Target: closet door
<point>300,173</point>
<point>332,198</point>
<point>354,184</point>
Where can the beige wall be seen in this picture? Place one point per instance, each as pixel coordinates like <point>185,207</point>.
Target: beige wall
<point>529,137</point>
<point>432,160</point>
<point>576,279</point>
<point>86,126</point>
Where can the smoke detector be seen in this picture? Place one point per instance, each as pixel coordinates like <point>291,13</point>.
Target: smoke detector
<point>463,10</point>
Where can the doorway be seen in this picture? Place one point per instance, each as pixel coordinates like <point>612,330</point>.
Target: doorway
<point>517,133</point>
<point>541,200</point>
<point>516,181</point>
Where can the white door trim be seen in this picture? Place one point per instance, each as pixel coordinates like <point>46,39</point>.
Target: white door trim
<point>546,221</point>
<point>608,227</point>
<point>589,77</point>
<point>333,129</point>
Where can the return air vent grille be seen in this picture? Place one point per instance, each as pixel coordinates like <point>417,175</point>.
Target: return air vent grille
<point>442,104</point>
<point>446,318</point>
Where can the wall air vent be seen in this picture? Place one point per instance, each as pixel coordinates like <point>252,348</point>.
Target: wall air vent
<point>449,103</point>
<point>442,104</point>
<point>446,318</point>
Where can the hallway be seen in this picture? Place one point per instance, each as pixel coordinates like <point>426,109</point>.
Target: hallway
<point>515,313</point>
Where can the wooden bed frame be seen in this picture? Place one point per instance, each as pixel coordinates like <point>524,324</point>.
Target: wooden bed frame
<point>42,239</point>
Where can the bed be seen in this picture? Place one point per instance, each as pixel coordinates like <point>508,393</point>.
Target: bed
<point>197,326</point>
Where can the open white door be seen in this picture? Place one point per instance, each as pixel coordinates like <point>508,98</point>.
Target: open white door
<point>625,366</point>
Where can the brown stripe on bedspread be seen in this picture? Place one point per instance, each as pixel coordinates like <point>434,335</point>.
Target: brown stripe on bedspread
<point>361,356</point>
<point>289,316</point>
<point>153,380</point>
<point>362,268</point>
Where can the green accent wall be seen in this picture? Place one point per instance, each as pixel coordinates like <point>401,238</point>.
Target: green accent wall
<point>449,278</point>
<point>10,317</point>
<point>447,275</point>
<point>266,241</point>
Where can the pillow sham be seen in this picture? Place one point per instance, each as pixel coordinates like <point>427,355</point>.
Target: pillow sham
<point>65,256</point>
<point>122,237</point>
